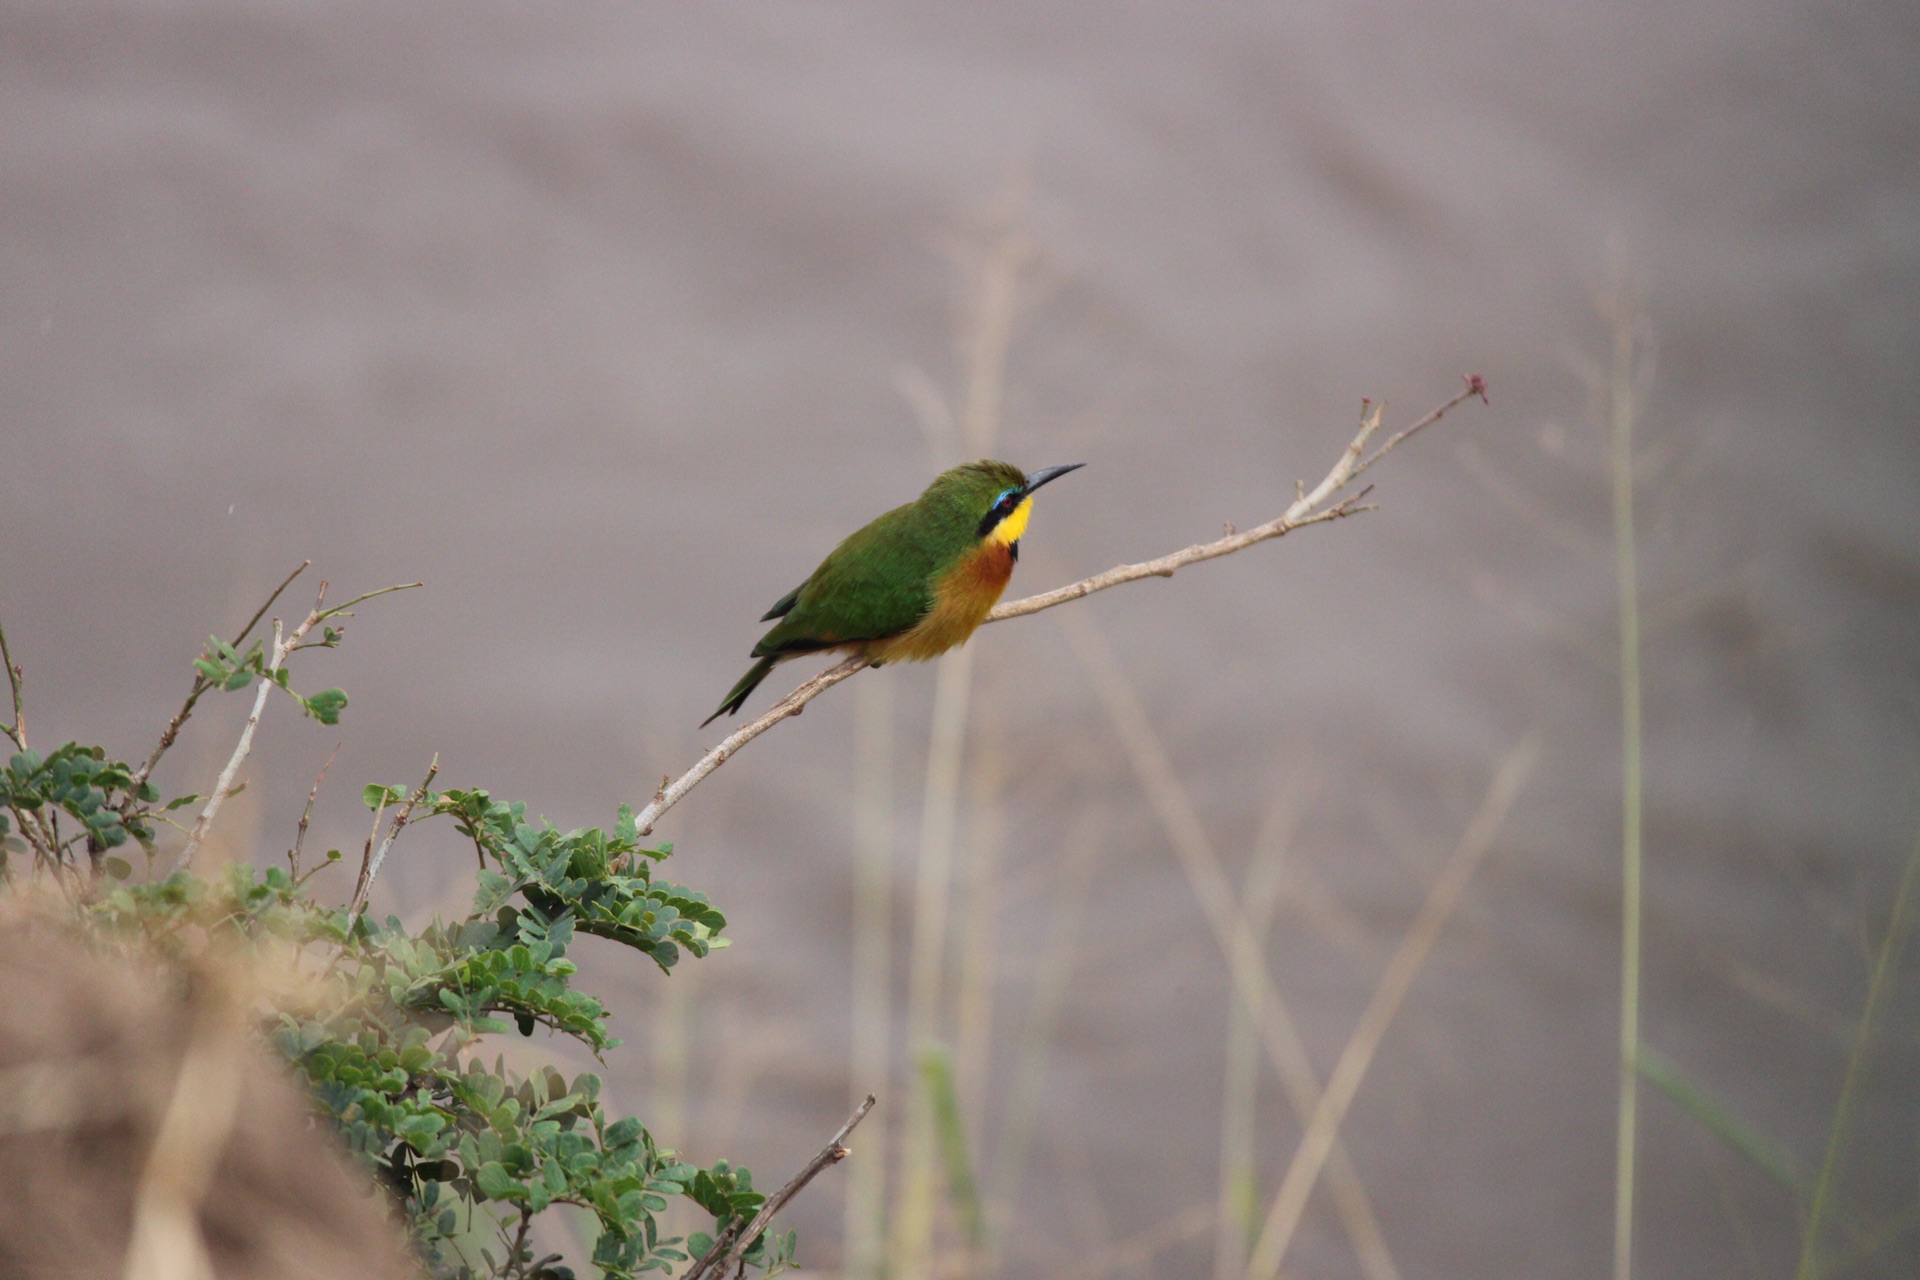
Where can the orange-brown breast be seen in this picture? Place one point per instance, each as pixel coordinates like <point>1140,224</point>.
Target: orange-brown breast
<point>961,601</point>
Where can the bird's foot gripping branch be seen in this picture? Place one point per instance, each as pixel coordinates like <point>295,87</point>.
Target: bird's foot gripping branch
<point>390,1026</point>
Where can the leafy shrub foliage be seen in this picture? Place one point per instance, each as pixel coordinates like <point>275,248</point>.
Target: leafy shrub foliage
<point>389,1025</point>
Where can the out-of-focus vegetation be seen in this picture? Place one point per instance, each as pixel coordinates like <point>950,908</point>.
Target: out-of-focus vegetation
<point>389,1026</point>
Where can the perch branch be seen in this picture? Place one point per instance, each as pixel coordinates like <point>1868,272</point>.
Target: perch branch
<point>1306,510</point>
<point>735,1241</point>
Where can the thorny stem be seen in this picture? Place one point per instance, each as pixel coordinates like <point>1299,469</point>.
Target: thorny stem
<point>306,815</point>
<point>18,729</point>
<point>370,868</point>
<point>736,1240</point>
<point>1353,460</point>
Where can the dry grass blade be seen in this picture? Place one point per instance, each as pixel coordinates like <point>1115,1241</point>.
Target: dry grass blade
<point>1324,1127</point>
<point>1139,1248</point>
<point>1237,1201</point>
<point>1253,984</point>
<point>864,1245</point>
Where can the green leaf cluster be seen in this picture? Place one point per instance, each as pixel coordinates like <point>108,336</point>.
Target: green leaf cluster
<point>387,1024</point>
<point>76,799</point>
<point>391,1047</point>
<point>227,668</point>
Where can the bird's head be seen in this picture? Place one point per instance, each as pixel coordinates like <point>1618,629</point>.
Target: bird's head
<point>997,495</point>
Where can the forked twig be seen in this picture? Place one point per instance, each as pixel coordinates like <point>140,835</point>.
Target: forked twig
<point>735,1240</point>
<point>283,645</point>
<point>1305,510</point>
<point>200,685</point>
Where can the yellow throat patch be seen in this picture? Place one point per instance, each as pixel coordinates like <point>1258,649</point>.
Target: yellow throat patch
<point>1009,530</point>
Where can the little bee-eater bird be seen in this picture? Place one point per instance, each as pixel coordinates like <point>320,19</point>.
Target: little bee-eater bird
<point>912,584</point>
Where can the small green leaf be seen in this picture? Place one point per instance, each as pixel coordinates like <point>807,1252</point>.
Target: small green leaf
<point>494,1182</point>
<point>326,705</point>
<point>118,868</point>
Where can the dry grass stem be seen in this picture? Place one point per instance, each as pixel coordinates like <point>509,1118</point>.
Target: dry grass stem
<point>1236,1202</point>
<point>1137,1250</point>
<point>1083,849</point>
<point>1253,984</point>
<point>864,1247</point>
<point>1342,1086</point>
<point>1885,964</point>
<point>915,1205</point>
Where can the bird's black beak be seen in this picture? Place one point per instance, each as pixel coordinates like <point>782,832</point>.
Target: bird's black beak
<point>1039,478</point>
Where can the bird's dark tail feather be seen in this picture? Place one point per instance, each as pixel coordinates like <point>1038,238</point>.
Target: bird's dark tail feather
<point>740,692</point>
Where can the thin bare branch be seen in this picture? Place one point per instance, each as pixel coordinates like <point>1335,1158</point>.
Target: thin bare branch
<point>200,685</point>
<point>791,705</point>
<point>1476,386</point>
<point>283,645</point>
<point>306,815</point>
<point>1166,565</point>
<point>340,610</point>
<point>1302,513</point>
<point>735,1241</point>
<point>18,729</point>
<point>371,868</point>
<point>223,787</point>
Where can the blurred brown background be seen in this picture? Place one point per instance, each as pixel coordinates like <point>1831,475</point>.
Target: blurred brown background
<point>608,321</point>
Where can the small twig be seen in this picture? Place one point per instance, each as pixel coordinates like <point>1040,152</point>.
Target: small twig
<point>223,786</point>
<point>1476,386</point>
<point>283,645</point>
<point>18,729</point>
<point>1353,461</point>
<point>735,1241</point>
<point>200,685</point>
<point>370,867</point>
<point>306,815</point>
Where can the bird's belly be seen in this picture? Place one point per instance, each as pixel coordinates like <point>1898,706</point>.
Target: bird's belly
<point>961,603</point>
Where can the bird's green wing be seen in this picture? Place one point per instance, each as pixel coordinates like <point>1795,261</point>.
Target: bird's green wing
<point>877,583</point>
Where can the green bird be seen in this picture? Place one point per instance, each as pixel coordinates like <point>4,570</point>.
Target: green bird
<point>912,584</point>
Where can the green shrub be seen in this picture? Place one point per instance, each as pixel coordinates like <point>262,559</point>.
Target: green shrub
<point>389,1025</point>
